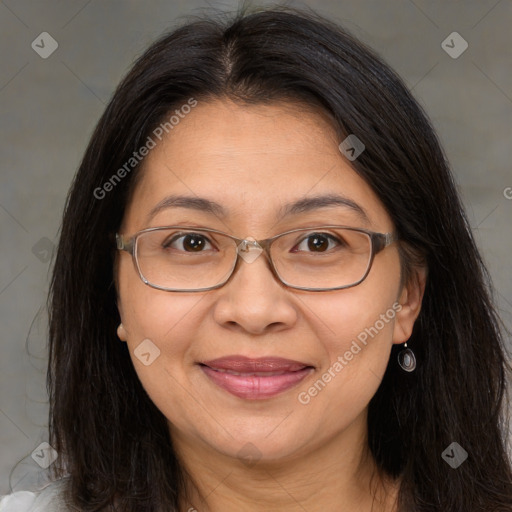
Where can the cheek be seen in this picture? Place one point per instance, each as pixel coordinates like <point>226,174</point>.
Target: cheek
<point>160,328</point>
<point>167,320</point>
<point>148,312</point>
<point>361,336</point>
<point>157,323</point>
<point>362,313</point>
<point>356,330</point>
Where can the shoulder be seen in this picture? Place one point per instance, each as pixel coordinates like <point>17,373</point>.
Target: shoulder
<point>48,499</point>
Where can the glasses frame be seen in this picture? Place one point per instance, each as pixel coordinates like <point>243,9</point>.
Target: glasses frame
<point>378,242</point>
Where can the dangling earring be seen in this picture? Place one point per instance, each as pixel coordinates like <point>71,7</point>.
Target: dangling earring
<point>407,359</point>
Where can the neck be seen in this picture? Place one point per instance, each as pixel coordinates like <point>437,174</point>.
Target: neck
<point>340,474</point>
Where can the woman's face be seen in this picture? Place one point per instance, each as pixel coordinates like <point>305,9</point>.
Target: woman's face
<point>253,160</point>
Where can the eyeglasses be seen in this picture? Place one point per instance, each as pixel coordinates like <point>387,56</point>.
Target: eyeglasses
<point>185,259</point>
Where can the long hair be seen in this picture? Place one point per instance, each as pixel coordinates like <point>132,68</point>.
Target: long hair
<point>112,440</point>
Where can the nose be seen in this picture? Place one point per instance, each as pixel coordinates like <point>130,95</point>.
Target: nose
<point>254,300</point>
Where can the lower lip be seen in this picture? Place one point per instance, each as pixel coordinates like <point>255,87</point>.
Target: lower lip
<point>252,387</point>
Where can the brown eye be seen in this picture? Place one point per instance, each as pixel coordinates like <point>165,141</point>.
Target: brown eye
<point>190,242</point>
<point>318,242</point>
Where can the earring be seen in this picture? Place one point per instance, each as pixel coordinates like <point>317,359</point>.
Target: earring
<point>407,359</point>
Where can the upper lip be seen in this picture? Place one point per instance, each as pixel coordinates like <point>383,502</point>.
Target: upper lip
<point>262,364</point>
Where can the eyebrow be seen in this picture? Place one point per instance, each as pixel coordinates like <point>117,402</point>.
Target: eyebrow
<point>303,205</point>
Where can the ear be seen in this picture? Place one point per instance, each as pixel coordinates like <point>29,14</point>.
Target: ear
<point>121,333</point>
<point>410,302</point>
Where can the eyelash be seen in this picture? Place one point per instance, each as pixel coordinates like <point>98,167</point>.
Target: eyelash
<point>328,236</point>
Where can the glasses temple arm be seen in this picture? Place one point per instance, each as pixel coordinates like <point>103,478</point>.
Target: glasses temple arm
<point>382,240</point>
<point>124,245</point>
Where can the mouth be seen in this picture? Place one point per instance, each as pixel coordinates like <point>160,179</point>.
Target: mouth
<point>255,379</point>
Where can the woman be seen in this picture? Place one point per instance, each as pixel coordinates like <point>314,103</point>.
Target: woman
<point>266,294</point>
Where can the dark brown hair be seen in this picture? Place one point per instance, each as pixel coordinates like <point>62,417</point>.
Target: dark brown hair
<point>112,440</point>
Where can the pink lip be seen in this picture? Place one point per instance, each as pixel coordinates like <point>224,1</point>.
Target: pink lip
<point>251,382</point>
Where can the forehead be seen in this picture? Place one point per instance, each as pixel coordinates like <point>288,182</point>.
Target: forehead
<point>250,159</point>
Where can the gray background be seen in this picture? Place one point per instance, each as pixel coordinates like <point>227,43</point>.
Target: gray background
<point>48,108</point>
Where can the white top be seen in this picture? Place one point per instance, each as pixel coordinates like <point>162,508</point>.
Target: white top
<point>48,499</point>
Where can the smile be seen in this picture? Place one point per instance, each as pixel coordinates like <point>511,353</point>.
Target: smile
<point>255,379</point>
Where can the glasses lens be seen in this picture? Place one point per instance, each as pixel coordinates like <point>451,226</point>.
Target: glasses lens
<point>322,257</point>
<point>181,259</point>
